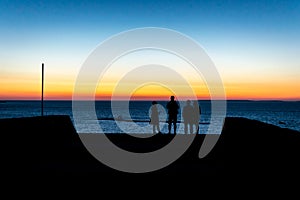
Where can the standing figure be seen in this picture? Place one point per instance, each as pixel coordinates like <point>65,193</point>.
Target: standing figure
<point>196,115</point>
<point>154,117</point>
<point>172,107</point>
<point>187,114</point>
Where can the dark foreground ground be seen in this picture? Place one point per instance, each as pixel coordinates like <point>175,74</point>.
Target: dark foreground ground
<point>45,147</point>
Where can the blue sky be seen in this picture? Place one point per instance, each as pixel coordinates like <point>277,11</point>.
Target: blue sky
<point>249,41</point>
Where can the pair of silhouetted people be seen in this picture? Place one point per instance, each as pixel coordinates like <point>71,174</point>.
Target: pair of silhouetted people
<point>191,117</point>
<point>172,107</point>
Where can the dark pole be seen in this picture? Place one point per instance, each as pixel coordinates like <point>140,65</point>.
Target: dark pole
<point>42,89</point>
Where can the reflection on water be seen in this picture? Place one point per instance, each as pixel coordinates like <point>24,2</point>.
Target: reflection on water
<point>283,114</point>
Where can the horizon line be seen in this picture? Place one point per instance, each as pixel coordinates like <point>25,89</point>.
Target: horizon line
<point>290,100</point>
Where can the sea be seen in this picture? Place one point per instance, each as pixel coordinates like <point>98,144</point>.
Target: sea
<point>285,114</point>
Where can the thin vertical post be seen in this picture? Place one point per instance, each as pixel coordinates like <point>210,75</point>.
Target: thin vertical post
<point>42,110</point>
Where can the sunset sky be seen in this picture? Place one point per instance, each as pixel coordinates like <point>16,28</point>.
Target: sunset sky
<point>255,45</point>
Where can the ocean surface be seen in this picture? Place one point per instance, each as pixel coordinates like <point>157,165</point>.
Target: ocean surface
<point>284,114</point>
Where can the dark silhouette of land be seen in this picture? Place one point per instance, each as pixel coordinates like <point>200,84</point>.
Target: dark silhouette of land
<point>49,146</point>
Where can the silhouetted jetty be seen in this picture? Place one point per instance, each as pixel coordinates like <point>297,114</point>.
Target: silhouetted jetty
<point>49,146</point>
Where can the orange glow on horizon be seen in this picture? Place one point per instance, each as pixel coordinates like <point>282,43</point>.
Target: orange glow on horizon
<point>31,90</point>
<point>263,91</point>
<point>68,96</point>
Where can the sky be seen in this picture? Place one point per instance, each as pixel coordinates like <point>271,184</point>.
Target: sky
<point>255,45</point>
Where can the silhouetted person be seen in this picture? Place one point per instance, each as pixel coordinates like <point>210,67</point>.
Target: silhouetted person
<point>154,117</point>
<point>196,115</point>
<point>188,114</point>
<point>172,107</point>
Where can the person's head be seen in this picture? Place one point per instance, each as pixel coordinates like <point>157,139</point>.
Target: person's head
<point>172,98</point>
<point>154,102</point>
<point>188,102</point>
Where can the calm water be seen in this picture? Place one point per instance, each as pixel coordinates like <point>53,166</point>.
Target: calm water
<point>283,114</point>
